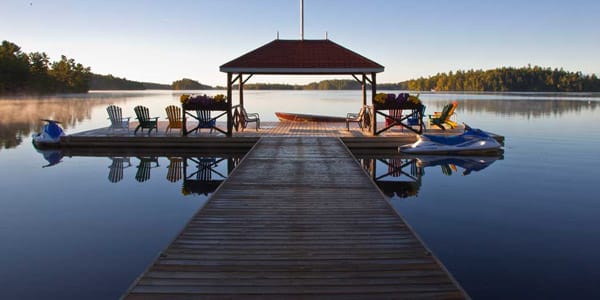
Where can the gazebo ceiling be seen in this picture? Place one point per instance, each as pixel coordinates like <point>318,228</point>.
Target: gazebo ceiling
<point>302,57</point>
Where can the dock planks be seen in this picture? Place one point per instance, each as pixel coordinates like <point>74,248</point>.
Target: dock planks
<point>297,219</point>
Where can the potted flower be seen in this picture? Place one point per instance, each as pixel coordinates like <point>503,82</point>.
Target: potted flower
<point>204,102</point>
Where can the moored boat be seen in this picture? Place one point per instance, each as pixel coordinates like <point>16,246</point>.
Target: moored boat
<point>293,117</point>
<point>471,142</point>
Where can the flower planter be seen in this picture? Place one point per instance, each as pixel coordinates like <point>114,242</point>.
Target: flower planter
<point>397,105</point>
<point>205,106</point>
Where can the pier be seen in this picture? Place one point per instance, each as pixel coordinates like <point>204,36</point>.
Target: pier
<point>298,218</point>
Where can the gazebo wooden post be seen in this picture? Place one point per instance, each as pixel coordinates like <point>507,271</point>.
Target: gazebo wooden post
<point>229,105</point>
<point>374,113</point>
<point>364,89</point>
<point>241,91</point>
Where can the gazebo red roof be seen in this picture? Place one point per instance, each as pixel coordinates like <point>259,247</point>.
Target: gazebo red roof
<point>302,57</point>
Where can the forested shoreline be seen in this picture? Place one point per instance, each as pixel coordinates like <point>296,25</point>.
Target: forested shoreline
<point>525,79</point>
<point>33,73</point>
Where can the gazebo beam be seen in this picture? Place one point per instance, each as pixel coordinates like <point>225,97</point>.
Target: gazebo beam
<point>247,78</point>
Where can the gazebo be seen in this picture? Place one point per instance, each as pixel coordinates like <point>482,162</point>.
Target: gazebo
<point>299,57</point>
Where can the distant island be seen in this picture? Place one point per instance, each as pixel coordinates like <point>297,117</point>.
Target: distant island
<point>33,73</point>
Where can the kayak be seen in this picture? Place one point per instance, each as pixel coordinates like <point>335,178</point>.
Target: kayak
<point>293,117</point>
<point>472,142</point>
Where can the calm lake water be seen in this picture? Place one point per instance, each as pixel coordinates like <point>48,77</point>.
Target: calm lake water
<point>521,226</point>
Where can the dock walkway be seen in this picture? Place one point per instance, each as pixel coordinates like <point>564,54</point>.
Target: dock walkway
<point>298,218</point>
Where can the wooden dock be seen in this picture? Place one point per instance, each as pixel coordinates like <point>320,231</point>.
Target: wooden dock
<point>298,218</point>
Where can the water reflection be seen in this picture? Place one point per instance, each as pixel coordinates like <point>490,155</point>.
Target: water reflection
<point>449,164</point>
<point>20,118</point>
<point>402,176</point>
<point>116,168</point>
<point>52,156</point>
<point>21,115</point>
<point>205,176</point>
<point>518,107</point>
<point>201,172</point>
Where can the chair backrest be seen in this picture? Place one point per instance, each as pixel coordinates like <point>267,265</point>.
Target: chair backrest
<point>203,115</point>
<point>173,113</point>
<point>446,112</point>
<point>361,114</point>
<point>115,115</point>
<point>244,113</point>
<point>205,119</point>
<point>142,113</point>
<point>451,112</point>
<point>414,118</point>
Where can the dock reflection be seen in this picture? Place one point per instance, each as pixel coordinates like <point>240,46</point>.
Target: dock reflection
<point>201,173</point>
<point>402,175</point>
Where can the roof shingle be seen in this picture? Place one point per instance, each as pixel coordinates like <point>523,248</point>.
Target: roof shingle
<point>302,57</point>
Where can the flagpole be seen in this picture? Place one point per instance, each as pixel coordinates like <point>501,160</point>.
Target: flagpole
<point>302,19</point>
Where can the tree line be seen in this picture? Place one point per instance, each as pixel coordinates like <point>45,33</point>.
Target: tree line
<point>34,73</point>
<point>110,82</point>
<point>323,85</point>
<point>525,79</point>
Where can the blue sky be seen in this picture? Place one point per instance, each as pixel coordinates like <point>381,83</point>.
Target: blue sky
<point>163,41</point>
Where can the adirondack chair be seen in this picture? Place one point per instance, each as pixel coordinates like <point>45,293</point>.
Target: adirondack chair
<point>205,120</point>
<point>143,169</point>
<point>394,113</point>
<point>414,120</point>
<point>355,118</point>
<point>451,114</point>
<point>249,118</point>
<point>115,115</point>
<point>143,116</point>
<point>443,117</point>
<point>174,117</point>
<point>115,173</point>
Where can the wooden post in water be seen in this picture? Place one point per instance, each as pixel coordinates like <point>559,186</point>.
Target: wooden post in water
<point>229,106</point>
<point>374,114</point>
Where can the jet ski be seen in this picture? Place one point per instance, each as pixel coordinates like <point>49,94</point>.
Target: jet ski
<point>472,141</point>
<point>50,135</point>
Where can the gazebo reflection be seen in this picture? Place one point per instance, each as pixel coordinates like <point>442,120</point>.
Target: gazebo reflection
<point>202,175</point>
<point>395,175</point>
